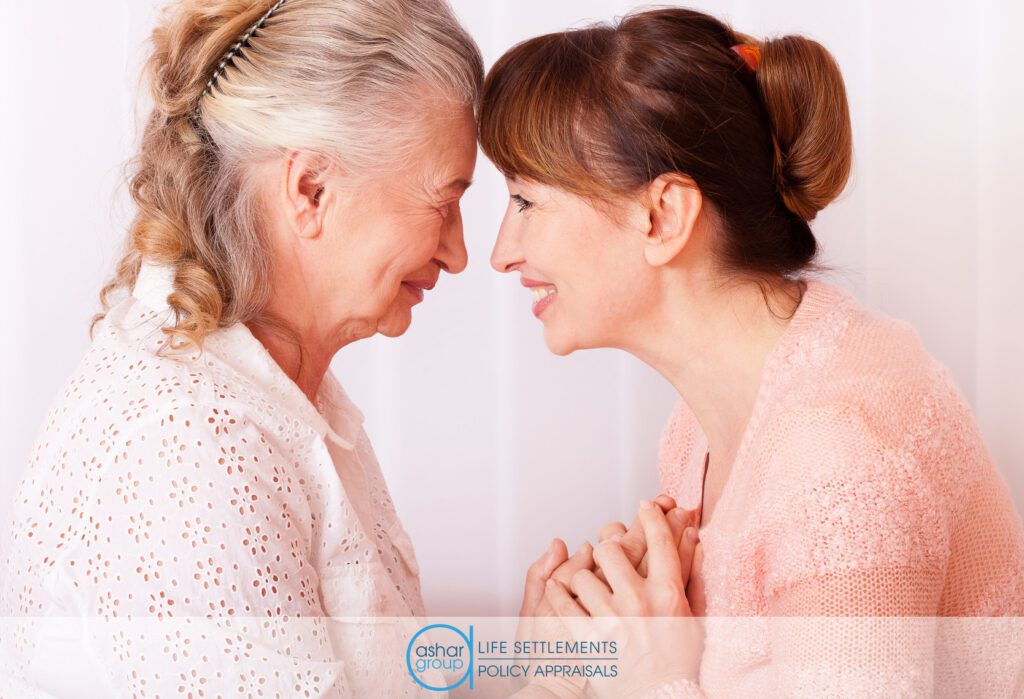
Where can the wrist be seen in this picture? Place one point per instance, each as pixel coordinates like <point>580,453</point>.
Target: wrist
<point>557,687</point>
<point>679,687</point>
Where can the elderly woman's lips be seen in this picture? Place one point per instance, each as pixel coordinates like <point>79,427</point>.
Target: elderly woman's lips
<point>416,288</point>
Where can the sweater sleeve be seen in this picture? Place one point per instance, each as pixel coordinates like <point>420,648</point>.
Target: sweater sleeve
<point>855,547</point>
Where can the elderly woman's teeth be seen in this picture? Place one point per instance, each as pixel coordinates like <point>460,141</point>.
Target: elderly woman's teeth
<point>542,292</point>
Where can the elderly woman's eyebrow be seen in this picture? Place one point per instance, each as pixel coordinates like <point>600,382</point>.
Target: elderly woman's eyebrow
<point>456,186</point>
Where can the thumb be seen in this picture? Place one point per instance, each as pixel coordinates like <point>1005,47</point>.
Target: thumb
<point>695,589</point>
<point>688,543</point>
<point>678,520</point>
<point>537,576</point>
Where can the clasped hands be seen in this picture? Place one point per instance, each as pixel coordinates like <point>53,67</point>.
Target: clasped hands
<point>644,578</point>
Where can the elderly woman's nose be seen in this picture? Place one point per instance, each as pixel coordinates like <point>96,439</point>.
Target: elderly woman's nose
<point>452,249</point>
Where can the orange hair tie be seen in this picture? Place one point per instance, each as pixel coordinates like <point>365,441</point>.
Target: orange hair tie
<point>751,55</point>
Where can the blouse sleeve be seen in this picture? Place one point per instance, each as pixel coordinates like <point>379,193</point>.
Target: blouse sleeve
<point>194,567</point>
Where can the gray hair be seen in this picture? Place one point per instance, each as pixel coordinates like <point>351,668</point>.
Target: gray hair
<point>345,78</point>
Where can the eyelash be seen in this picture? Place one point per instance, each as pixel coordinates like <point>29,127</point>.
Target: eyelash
<point>523,204</point>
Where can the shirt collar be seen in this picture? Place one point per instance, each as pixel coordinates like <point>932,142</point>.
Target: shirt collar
<point>340,420</point>
<point>153,285</point>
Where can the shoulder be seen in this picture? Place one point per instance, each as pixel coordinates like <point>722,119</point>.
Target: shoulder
<point>840,345</point>
<point>130,376</point>
<point>894,451</point>
<point>859,383</point>
<point>865,449</point>
<point>170,439</point>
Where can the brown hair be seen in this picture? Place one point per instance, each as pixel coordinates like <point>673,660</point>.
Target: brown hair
<point>604,110</point>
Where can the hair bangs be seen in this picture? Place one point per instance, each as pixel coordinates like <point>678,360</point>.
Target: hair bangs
<point>534,114</point>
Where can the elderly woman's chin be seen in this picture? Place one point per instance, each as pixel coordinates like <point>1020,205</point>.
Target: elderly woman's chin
<point>396,321</point>
<point>393,326</point>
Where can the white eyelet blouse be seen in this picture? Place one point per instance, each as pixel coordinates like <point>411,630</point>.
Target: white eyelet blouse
<point>186,522</point>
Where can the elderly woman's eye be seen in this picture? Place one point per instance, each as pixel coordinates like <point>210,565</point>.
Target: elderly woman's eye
<point>523,204</point>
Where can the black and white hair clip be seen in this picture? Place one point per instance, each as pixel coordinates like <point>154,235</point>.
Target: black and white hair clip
<point>238,46</point>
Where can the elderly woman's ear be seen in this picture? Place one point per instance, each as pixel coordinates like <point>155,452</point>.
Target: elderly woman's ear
<point>305,177</point>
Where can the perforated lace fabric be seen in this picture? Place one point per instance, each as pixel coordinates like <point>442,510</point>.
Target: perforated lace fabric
<point>206,492</point>
<point>862,504</point>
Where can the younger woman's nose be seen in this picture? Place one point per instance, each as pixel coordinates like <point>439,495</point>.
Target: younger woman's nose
<point>507,252</point>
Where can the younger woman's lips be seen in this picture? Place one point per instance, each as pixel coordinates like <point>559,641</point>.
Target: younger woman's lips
<point>540,306</point>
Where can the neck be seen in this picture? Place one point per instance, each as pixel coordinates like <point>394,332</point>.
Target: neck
<point>710,341</point>
<point>303,359</point>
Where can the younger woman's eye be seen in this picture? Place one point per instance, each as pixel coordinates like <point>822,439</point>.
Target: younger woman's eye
<point>523,204</point>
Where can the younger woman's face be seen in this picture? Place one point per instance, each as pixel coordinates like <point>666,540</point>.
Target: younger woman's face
<point>584,268</point>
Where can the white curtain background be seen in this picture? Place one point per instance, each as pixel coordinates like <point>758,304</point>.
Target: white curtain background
<point>492,445</point>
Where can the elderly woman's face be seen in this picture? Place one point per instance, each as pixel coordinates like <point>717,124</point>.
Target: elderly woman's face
<point>385,241</point>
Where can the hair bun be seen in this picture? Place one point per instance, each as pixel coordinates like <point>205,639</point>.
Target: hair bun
<point>804,94</point>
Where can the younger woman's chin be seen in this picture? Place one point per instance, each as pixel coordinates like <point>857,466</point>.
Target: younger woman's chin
<point>562,343</point>
<point>560,346</point>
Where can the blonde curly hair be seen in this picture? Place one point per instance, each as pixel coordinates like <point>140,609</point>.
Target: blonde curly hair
<point>337,78</point>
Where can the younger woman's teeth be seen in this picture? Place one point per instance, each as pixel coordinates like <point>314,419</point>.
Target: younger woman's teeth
<point>540,292</point>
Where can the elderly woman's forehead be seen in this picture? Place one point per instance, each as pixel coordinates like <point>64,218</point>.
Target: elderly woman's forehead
<point>446,162</point>
<point>444,184</point>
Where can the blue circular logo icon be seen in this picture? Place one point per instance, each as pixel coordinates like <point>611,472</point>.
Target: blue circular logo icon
<point>448,658</point>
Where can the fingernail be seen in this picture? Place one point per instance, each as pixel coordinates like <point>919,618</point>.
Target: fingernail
<point>615,537</point>
<point>551,546</point>
<point>692,535</point>
<point>646,504</point>
<point>550,583</point>
<point>679,513</point>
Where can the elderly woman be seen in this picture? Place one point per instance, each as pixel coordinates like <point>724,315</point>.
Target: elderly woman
<point>298,188</point>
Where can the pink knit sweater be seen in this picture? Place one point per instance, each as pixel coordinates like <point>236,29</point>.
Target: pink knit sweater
<point>861,488</point>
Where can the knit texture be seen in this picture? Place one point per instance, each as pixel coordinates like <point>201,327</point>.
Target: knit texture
<point>861,488</point>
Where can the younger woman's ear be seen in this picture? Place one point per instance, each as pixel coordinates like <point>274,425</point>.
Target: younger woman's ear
<point>674,205</point>
<point>305,184</point>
